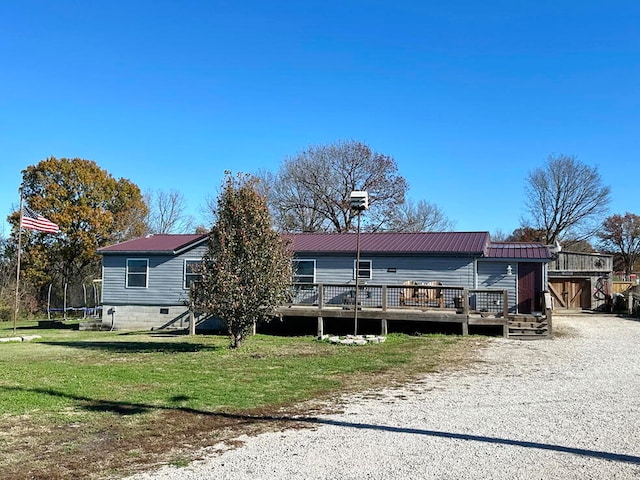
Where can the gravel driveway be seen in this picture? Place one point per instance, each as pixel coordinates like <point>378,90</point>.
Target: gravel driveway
<point>567,408</point>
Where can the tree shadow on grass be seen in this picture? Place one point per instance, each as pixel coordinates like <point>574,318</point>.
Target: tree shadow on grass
<point>128,408</point>
<point>135,347</point>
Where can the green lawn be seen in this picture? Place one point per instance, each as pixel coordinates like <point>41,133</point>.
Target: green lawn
<point>136,391</point>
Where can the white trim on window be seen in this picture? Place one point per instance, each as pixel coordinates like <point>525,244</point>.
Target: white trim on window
<point>366,269</point>
<point>188,276</point>
<point>303,277</point>
<point>140,277</point>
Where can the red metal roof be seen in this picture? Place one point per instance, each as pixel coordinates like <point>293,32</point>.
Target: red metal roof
<point>419,242</point>
<point>530,250</point>
<point>392,243</point>
<point>170,243</point>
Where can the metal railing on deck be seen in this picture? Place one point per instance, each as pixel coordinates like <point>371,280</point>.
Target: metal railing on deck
<point>460,299</point>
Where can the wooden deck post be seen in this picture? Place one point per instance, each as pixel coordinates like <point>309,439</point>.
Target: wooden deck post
<point>465,302</point>
<point>505,313</point>
<point>320,296</point>
<point>548,309</point>
<point>505,304</point>
<point>320,305</point>
<point>383,322</point>
<point>384,298</point>
<point>192,323</point>
<point>465,311</point>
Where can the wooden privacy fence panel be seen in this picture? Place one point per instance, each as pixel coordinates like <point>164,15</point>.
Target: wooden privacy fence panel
<point>621,287</point>
<point>581,262</point>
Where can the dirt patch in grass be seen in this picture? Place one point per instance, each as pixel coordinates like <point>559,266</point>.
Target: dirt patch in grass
<point>115,447</point>
<point>121,442</point>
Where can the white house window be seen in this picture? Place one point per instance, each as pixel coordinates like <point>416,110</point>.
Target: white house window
<point>192,272</point>
<point>304,271</point>
<point>364,271</point>
<point>137,272</point>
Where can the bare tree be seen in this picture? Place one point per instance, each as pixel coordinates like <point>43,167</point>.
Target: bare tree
<point>167,212</point>
<point>310,192</point>
<point>499,236</point>
<point>620,235</point>
<point>565,197</point>
<point>419,217</point>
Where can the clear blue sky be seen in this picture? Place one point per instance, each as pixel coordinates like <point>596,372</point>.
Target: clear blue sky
<point>467,96</point>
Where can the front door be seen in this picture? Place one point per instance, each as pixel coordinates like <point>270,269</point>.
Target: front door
<point>529,287</point>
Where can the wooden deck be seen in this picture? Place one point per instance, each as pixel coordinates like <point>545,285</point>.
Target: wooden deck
<point>389,303</point>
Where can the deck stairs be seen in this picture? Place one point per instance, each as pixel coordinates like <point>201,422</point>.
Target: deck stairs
<point>528,327</point>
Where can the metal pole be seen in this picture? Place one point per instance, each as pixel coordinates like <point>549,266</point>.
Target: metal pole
<point>355,299</point>
<point>84,290</point>
<point>64,306</point>
<point>17,300</point>
<point>49,302</point>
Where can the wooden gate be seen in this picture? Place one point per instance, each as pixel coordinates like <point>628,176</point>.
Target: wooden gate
<point>570,293</point>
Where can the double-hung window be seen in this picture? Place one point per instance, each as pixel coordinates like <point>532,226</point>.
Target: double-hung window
<point>364,270</point>
<point>137,272</point>
<point>304,271</point>
<point>192,272</point>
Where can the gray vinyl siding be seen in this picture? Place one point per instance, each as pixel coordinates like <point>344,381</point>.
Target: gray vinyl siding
<point>458,271</point>
<point>164,283</point>
<point>493,274</point>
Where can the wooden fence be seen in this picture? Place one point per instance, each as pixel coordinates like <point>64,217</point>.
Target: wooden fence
<point>621,287</point>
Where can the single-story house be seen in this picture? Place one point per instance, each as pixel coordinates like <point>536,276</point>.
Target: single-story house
<point>146,280</point>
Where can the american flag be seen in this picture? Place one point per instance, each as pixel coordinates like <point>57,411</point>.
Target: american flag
<point>35,221</point>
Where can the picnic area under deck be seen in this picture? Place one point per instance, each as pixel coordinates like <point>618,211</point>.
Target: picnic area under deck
<point>452,305</point>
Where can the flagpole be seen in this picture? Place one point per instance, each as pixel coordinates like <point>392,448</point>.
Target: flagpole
<point>17,302</point>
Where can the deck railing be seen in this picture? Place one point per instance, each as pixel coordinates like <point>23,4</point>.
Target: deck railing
<point>386,297</point>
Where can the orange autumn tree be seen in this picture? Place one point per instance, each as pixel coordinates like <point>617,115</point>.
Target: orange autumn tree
<point>620,235</point>
<point>92,208</point>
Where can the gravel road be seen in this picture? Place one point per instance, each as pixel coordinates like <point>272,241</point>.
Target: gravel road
<point>567,408</point>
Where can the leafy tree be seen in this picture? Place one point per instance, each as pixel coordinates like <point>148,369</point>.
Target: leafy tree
<point>526,234</point>
<point>310,192</point>
<point>167,212</point>
<point>620,235</point>
<point>565,198</point>
<point>92,209</point>
<point>7,280</point>
<point>247,268</point>
<point>577,245</point>
<point>530,234</point>
<point>419,217</point>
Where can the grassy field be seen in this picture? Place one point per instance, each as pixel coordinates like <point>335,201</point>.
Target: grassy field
<point>104,404</point>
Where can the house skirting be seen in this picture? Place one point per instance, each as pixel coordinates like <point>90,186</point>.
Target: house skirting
<point>149,317</point>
